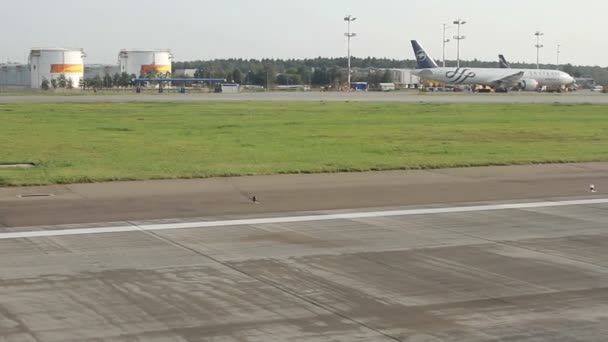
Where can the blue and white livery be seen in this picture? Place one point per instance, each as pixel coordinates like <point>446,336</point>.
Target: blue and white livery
<point>498,78</point>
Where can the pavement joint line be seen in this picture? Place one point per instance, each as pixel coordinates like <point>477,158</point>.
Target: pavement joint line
<point>268,282</point>
<point>133,227</point>
<point>515,244</point>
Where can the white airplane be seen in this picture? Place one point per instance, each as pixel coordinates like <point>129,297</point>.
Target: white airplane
<point>504,64</point>
<point>498,78</point>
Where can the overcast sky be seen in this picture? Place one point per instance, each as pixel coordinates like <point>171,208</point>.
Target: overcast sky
<point>204,29</point>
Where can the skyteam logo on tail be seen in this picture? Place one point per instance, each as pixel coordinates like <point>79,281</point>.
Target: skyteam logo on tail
<point>421,55</point>
<point>458,76</point>
<point>423,59</point>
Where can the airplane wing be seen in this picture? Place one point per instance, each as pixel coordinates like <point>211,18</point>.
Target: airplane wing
<point>510,79</point>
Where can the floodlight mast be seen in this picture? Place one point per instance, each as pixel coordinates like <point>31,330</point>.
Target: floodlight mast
<point>538,46</point>
<point>349,18</point>
<point>458,38</point>
<point>445,41</point>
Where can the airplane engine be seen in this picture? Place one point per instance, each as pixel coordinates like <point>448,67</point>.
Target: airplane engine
<point>528,85</point>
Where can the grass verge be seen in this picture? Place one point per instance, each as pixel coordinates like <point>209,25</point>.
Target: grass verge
<point>90,142</point>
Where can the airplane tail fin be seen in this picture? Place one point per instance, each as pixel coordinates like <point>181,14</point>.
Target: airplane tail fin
<point>503,62</point>
<point>424,60</point>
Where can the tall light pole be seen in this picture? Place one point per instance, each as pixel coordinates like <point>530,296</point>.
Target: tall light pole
<point>349,18</point>
<point>445,41</point>
<point>558,52</point>
<point>538,45</point>
<point>458,38</point>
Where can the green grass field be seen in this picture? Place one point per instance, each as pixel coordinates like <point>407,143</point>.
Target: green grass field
<point>72,143</point>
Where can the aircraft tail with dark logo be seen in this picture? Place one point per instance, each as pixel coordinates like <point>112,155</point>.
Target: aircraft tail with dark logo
<point>503,62</point>
<point>423,59</point>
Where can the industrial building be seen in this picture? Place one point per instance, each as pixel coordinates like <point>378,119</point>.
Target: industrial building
<point>93,70</point>
<point>401,77</point>
<point>15,75</point>
<point>404,76</point>
<point>44,64</point>
<point>50,63</point>
<point>143,61</point>
<point>184,73</point>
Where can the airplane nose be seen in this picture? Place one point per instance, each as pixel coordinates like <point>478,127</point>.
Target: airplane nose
<point>570,81</point>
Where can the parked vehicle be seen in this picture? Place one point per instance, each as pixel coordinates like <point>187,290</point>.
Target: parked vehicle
<point>598,89</point>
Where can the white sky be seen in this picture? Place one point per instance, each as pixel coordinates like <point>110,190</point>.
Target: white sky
<point>204,29</point>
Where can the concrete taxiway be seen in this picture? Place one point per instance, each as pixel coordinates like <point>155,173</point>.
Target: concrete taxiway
<point>515,97</point>
<point>527,263</point>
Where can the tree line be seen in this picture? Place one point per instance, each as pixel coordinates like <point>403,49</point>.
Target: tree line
<point>327,71</point>
<point>118,80</point>
<point>122,80</point>
<point>60,82</point>
<point>270,72</point>
<point>315,72</point>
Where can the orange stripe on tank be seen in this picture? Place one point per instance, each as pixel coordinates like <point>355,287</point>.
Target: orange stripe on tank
<point>66,68</point>
<point>158,67</point>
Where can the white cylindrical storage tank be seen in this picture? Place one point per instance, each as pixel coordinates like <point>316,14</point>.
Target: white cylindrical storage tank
<point>50,63</point>
<point>141,62</point>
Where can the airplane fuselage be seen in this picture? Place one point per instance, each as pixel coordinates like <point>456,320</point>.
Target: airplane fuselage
<point>488,76</point>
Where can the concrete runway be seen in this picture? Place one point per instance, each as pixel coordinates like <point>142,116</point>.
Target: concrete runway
<point>524,265</point>
<point>536,274</point>
<point>513,97</point>
<point>217,197</point>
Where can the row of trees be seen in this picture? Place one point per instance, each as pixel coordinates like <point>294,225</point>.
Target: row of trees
<point>270,72</point>
<point>268,76</point>
<point>60,82</point>
<point>316,72</point>
<point>267,73</point>
<point>324,71</point>
<point>222,67</point>
<point>122,80</point>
